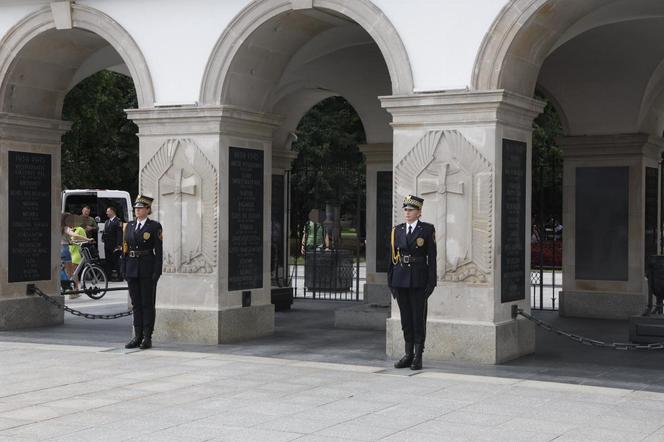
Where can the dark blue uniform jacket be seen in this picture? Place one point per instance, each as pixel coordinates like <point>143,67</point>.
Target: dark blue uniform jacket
<point>421,246</point>
<point>147,244</point>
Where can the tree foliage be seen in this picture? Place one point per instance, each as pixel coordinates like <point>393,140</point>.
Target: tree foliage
<point>329,168</point>
<point>547,166</point>
<point>101,149</point>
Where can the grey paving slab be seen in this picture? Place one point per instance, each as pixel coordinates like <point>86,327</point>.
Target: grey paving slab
<point>291,424</point>
<point>6,423</point>
<point>521,435</point>
<point>413,436</point>
<point>34,413</point>
<point>600,434</point>
<point>351,430</point>
<point>43,430</point>
<point>227,393</point>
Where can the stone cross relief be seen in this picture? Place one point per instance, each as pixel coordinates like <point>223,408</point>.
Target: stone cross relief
<point>452,174</point>
<point>186,185</point>
<point>441,190</point>
<point>181,189</point>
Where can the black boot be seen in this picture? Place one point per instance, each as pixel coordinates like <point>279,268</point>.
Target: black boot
<point>147,339</point>
<point>417,360</point>
<point>136,340</point>
<point>407,358</point>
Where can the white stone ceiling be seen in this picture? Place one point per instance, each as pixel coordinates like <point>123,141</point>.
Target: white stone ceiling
<point>299,58</point>
<point>50,65</point>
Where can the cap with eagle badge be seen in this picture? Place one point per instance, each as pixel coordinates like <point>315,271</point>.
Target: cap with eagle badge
<point>143,201</point>
<point>413,202</point>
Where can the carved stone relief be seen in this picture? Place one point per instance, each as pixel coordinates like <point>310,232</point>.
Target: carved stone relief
<point>456,181</point>
<point>185,186</point>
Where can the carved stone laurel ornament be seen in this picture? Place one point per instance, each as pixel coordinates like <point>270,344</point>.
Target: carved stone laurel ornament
<point>185,186</point>
<point>456,182</point>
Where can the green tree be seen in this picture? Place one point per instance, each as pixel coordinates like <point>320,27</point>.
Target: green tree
<point>329,167</point>
<point>547,164</point>
<point>101,149</point>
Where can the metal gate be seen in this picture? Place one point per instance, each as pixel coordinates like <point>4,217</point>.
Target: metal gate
<point>327,232</point>
<point>546,252</point>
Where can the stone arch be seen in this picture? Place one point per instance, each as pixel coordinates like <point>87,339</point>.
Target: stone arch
<point>363,12</point>
<point>519,40</point>
<point>85,18</point>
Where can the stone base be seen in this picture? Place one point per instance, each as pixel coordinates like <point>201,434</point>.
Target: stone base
<point>214,326</point>
<point>646,329</point>
<point>468,341</point>
<point>362,317</point>
<point>29,312</point>
<point>601,305</point>
<point>378,294</point>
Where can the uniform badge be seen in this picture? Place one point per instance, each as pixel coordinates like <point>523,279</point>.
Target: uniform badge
<point>146,236</point>
<point>420,242</point>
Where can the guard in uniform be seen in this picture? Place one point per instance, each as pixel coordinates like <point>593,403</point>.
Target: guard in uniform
<point>412,278</point>
<point>142,258</point>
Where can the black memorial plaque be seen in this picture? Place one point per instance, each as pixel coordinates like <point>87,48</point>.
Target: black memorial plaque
<point>513,219</point>
<point>383,220</point>
<point>245,220</point>
<point>602,221</point>
<point>277,235</point>
<point>29,215</point>
<point>650,239</point>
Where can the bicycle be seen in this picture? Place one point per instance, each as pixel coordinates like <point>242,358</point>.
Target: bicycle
<point>89,273</point>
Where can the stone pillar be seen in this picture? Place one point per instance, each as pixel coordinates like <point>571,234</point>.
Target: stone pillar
<point>282,292</point>
<point>372,314</point>
<point>204,167</point>
<point>468,155</point>
<point>379,188</point>
<point>30,195</point>
<point>610,200</point>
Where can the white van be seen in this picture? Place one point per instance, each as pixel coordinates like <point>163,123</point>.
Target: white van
<point>73,201</point>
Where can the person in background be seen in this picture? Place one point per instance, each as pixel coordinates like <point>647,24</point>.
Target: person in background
<point>112,238</point>
<point>89,223</point>
<point>67,223</point>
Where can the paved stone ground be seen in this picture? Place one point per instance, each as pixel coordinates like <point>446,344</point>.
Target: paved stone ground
<point>312,382</point>
<point>73,393</point>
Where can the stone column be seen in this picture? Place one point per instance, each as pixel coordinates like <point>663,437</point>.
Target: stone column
<point>372,314</point>
<point>282,294</point>
<point>379,183</point>
<point>204,166</point>
<point>29,153</point>
<point>610,200</point>
<point>468,155</point>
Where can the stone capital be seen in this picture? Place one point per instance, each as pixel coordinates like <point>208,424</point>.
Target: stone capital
<point>281,159</point>
<point>611,146</point>
<point>204,120</point>
<point>25,129</point>
<point>377,153</point>
<point>462,108</point>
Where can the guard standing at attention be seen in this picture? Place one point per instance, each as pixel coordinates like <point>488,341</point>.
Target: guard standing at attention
<point>411,277</point>
<point>142,259</point>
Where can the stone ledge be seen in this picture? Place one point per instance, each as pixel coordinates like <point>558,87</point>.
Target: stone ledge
<point>468,341</point>
<point>212,327</point>
<point>601,305</point>
<point>28,313</point>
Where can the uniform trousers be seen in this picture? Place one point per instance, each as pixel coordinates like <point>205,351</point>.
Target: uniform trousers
<point>142,294</point>
<point>413,307</point>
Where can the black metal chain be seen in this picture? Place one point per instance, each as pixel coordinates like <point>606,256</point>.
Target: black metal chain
<point>32,289</point>
<point>587,341</point>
